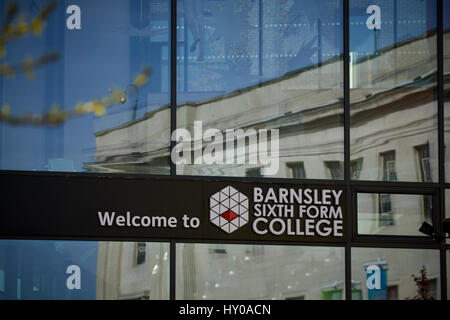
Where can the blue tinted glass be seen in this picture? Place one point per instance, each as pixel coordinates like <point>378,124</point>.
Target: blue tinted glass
<point>400,20</point>
<point>74,76</point>
<point>40,269</point>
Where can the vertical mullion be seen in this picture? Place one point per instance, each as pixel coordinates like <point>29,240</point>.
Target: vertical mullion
<point>441,142</point>
<point>173,125</point>
<point>443,257</point>
<point>260,38</point>
<point>349,206</point>
<point>172,273</point>
<point>173,79</point>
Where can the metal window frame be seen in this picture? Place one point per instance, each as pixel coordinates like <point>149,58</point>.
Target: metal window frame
<point>352,187</point>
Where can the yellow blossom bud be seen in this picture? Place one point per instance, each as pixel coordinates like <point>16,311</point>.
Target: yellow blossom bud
<point>37,26</point>
<point>99,109</point>
<point>52,114</point>
<point>140,80</point>
<point>117,95</point>
<point>79,108</point>
<point>6,111</point>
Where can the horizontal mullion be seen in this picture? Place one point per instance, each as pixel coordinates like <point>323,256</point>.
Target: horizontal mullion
<point>400,185</point>
<point>95,175</point>
<point>362,241</point>
<point>355,184</point>
<point>394,243</point>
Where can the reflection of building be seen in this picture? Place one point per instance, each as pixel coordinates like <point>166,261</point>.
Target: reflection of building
<point>385,144</point>
<point>133,270</point>
<point>393,138</point>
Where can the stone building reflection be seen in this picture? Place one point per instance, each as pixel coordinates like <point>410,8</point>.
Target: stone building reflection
<point>133,271</point>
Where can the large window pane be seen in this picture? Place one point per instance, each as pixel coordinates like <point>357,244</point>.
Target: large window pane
<point>82,99</point>
<point>61,270</point>
<point>388,274</point>
<point>393,214</point>
<point>393,111</point>
<point>213,271</point>
<point>255,65</point>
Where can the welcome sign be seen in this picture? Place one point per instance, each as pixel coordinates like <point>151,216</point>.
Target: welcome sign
<point>170,208</point>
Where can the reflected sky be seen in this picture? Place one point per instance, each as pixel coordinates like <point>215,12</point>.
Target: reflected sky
<point>112,47</point>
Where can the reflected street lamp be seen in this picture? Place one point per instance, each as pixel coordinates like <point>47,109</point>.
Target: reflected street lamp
<point>124,99</point>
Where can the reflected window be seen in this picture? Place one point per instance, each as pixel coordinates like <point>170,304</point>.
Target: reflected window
<point>355,168</point>
<point>427,208</point>
<point>385,209</point>
<point>335,169</point>
<point>389,168</point>
<point>256,250</point>
<point>423,155</point>
<point>393,214</point>
<point>392,292</point>
<point>297,170</point>
<point>140,252</point>
<point>396,274</point>
<point>218,249</point>
<point>253,172</point>
<point>431,286</point>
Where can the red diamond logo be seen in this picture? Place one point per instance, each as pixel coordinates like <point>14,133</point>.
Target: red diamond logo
<point>229,215</point>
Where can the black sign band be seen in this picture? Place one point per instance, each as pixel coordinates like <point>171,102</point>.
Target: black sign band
<point>56,206</point>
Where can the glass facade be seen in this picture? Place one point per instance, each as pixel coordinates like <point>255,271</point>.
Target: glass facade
<point>348,92</point>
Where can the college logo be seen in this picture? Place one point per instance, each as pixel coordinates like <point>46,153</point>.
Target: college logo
<point>228,209</point>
